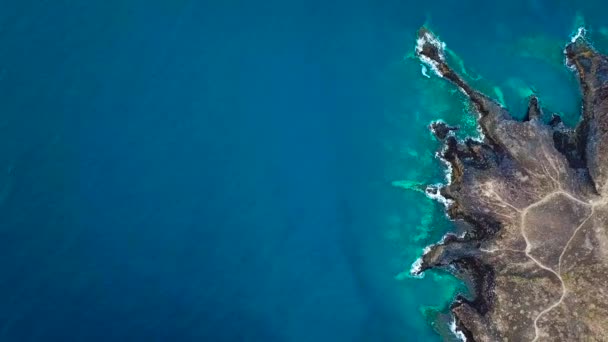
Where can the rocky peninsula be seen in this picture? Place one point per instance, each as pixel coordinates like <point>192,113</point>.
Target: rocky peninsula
<point>533,195</point>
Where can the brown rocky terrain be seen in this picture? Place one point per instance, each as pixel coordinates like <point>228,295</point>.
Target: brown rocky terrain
<point>534,197</point>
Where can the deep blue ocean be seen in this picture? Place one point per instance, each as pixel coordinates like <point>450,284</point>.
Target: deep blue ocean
<point>222,170</point>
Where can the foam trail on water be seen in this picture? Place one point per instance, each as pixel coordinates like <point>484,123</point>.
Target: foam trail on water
<point>424,71</point>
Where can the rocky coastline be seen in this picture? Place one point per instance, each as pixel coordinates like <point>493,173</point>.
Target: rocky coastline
<point>533,195</point>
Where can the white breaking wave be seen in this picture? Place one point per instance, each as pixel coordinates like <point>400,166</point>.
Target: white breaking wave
<point>580,33</point>
<point>428,38</point>
<point>415,269</point>
<point>448,166</point>
<point>434,192</point>
<point>436,195</point>
<point>417,265</point>
<point>459,334</point>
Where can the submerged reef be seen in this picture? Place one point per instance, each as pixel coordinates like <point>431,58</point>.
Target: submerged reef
<point>534,199</point>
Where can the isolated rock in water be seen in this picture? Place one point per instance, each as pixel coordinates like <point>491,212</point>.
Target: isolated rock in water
<point>441,129</point>
<point>535,198</point>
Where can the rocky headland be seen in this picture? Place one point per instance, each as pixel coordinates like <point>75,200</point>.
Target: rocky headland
<point>533,196</point>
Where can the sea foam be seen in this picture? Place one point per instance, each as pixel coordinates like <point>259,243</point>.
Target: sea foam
<point>429,38</point>
<point>416,268</point>
<point>580,33</point>
<point>459,334</point>
<point>424,71</point>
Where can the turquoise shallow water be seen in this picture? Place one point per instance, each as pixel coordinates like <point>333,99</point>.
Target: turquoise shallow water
<point>222,170</point>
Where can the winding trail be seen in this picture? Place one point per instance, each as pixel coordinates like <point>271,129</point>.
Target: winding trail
<point>523,212</point>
